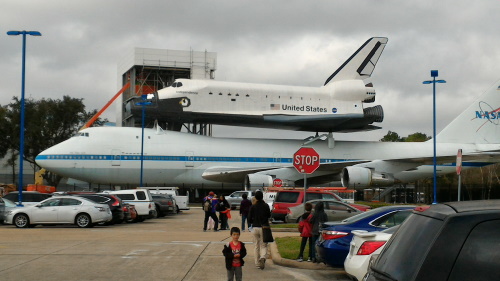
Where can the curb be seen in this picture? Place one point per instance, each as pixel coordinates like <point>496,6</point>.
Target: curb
<point>278,260</point>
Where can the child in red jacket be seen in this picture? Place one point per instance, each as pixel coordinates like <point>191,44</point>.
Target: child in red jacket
<point>305,229</point>
<point>234,252</point>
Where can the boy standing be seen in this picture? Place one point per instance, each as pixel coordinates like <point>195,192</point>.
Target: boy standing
<point>234,252</point>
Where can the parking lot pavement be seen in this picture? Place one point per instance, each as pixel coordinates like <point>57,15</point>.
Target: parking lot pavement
<point>170,248</point>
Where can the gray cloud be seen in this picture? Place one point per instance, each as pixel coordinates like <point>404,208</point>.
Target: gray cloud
<point>277,42</point>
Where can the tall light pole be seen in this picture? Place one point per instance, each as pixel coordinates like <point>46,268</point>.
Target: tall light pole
<point>21,134</point>
<point>434,74</point>
<point>143,103</point>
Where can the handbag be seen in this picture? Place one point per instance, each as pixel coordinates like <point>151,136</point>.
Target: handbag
<point>267,234</point>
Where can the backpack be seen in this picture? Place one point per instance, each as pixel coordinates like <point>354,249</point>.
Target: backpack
<point>207,206</point>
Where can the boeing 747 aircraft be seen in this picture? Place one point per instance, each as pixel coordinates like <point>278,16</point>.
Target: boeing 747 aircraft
<point>335,107</point>
<point>112,155</point>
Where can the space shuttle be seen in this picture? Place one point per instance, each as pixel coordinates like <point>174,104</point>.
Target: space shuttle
<point>112,155</point>
<point>337,106</point>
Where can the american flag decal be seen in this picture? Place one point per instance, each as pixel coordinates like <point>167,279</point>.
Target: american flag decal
<point>275,106</point>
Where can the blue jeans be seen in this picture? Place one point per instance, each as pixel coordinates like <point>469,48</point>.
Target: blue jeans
<point>243,219</point>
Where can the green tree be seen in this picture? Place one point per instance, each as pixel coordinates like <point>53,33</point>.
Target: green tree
<point>417,137</point>
<point>391,137</point>
<point>47,123</point>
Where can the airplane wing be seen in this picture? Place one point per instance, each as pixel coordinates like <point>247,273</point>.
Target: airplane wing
<point>362,63</point>
<point>237,175</point>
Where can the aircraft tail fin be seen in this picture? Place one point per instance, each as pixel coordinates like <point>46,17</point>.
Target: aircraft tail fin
<point>479,123</point>
<point>362,63</point>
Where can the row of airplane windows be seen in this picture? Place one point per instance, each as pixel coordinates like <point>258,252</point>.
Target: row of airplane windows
<point>181,158</point>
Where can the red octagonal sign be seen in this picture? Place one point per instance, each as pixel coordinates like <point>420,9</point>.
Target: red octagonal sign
<point>306,160</point>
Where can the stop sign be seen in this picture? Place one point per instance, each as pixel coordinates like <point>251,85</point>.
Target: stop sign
<point>306,160</point>
<point>277,182</point>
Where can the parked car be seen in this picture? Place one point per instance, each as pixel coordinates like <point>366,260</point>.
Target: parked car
<point>334,241</point>
<point>29,197</point>
<point>114,203</point>
<point>5,206</point>
<point>456,241</point>
<point>142,200</point>
<point>234,199</point>
<point>164,204</point>
<point>287,198</point>
<point>334,209</point>
<point>363,246</point>
<point>60,210</point>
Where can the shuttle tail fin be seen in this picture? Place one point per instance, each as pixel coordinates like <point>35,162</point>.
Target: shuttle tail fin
<point>362,63</point>
<point>479,123</point>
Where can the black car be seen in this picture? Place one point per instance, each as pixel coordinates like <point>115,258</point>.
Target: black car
<point>114,203</point>
<point>456,241</point>
<point>29,197</point>
<point>164,203</point>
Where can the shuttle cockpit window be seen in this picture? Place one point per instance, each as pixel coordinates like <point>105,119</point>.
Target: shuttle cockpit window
<point>82,135</point>
<point>177,84</point>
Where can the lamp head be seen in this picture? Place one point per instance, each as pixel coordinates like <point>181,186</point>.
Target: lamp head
<point>16,32</point>
<point>434,73</point>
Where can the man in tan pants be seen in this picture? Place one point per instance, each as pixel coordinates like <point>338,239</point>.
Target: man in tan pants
<point>259,216</point>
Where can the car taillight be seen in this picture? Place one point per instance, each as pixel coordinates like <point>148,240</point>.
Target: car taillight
<point>331,234</point>
<point>169,203</point>
<point>116,203</point>
<point>369,247</point>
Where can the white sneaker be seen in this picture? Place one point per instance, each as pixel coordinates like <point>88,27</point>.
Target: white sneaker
<point>300,259</point>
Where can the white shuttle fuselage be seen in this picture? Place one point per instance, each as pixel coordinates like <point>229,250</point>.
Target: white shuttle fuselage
<point>337,106</point>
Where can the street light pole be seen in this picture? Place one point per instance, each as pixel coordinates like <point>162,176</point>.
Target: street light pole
<point>434,74</point>
<point>21,133</point>
<point>143,103</point>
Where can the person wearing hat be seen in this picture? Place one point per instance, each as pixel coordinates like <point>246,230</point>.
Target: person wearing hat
<point>209,203</point>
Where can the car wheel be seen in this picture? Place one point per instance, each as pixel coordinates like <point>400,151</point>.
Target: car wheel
<point>177,209</point>
<point>83,220</point>
<point>22,221</point>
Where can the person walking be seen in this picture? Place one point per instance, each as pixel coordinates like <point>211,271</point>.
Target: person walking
<point>223,207</point>
<point>234,252</point>
<point>259,216</point>
<point>244,209</point>
<point>318,218</point>
<point>305,229</point>
<point>209,203</point>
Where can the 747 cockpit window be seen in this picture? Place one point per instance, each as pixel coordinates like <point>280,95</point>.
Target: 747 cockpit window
<point>82,135</point>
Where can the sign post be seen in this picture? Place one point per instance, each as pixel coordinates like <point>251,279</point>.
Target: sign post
<point>306,160</point>
<point>459,170</point>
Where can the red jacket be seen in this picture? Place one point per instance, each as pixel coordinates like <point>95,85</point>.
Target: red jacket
<point>305,226</point>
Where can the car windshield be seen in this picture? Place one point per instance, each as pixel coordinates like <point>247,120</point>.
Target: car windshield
<point>8,203</point>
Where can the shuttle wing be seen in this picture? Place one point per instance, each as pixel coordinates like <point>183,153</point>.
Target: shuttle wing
<point>362,63</point>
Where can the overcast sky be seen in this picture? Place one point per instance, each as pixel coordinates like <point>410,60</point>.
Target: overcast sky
<point>277,42</point>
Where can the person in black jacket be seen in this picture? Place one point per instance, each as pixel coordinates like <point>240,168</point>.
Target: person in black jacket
<point>259,216</point>
<point>222,207</point>
<point>234,252</point>
<point>318,218</point>
<point>244,209</point>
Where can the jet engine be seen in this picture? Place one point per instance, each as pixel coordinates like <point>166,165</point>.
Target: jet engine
<point>360,177</point>
<point>256,181</point>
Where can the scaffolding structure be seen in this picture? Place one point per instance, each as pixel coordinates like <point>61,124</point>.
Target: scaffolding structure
<point>149,70</point>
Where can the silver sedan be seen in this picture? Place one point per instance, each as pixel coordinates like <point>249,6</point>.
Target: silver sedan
<point>60,210</point>
<point>335,210</point>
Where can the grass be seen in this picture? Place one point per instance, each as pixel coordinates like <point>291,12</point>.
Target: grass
<point>285,225</point>
<point>289,247</point>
